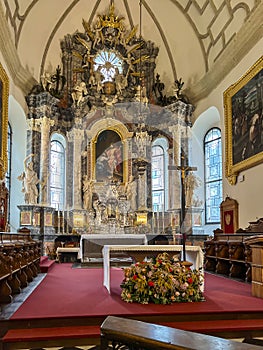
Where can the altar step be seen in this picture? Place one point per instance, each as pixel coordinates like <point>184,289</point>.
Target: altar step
<point>90,334</point>
<point>46,264</point>
<point>29,338</point>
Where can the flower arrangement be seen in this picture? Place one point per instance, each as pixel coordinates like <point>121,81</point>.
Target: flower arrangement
<point>162,280</point>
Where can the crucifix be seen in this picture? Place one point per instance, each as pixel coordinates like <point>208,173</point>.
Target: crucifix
<point>184,169</point>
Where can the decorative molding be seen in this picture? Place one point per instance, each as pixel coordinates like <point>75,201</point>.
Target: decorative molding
<point>20,76</point>
<point>248,36</point>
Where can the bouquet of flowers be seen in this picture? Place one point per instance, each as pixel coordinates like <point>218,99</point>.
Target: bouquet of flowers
<point>162,280</point>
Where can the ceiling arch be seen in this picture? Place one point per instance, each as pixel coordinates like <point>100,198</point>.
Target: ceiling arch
<point>193,36</point>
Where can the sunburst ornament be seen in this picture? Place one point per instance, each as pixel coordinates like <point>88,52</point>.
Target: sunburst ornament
<point>109,61</point>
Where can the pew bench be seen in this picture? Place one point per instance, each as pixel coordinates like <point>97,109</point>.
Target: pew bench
<point>19,264</point>
<point>138,334</point>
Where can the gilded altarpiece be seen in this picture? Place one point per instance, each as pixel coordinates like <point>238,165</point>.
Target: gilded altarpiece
<point>99,101</point>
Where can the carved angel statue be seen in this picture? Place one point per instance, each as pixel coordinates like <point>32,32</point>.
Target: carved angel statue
<point>78,93</point>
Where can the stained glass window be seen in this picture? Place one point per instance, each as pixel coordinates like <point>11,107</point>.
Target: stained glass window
<point>108,61</point>
<point>213,175</point>
<point>57,174</point>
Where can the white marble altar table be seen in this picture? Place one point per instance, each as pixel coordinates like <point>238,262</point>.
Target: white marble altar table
<point>61,250</point>
<point>111,239</point>
<point>194,254</point>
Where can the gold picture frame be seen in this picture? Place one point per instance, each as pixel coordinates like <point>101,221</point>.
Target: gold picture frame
<point>4,92</point>
<point>243,108</point>
<point>25,218</point>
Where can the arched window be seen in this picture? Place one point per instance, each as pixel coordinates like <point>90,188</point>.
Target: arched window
<point>213,175</point>
<point>57,171</point>
<point>159,174</point>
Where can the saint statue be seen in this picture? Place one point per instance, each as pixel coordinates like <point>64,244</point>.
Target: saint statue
<point>30,181</point>
<point>131,192</point>
<point>88,185</point>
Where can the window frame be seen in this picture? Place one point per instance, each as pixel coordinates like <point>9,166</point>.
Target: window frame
<point>218,180</point>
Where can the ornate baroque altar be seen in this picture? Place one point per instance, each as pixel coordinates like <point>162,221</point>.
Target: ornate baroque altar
<point>108,104</point>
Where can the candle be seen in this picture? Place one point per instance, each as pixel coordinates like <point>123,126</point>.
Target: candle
<point>63,221</point>
<point>158,219</point>
<point>67,219</point>
<point>153,219</point>
<point>163,219</point>
<point>58,220</point>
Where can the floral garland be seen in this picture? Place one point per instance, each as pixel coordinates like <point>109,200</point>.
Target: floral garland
<point>162,280</point>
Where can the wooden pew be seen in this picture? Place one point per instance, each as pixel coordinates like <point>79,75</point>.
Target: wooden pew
<point>19,264</point>
<point>119,331</point>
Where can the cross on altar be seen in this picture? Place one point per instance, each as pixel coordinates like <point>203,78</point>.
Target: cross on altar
<point>184,169</point>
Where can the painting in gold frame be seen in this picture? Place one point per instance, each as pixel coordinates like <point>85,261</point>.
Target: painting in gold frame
<point>4,91</point>
<point>243,106</point>
<point>25,218</point>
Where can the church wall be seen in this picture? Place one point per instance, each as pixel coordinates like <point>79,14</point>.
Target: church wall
<point>248,193</point>
<point>17,120</point>
<point>207,120</point>
<point>18,124</point>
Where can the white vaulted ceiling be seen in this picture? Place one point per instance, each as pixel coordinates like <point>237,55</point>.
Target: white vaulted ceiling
<point>199,41</point>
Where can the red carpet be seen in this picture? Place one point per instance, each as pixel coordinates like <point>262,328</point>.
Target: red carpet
<point>68,292</point>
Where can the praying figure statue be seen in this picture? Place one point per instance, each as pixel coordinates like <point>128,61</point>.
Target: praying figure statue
<point>29,181</point>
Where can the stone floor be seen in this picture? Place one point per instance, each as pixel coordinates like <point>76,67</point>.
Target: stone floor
<point>8,310</point>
